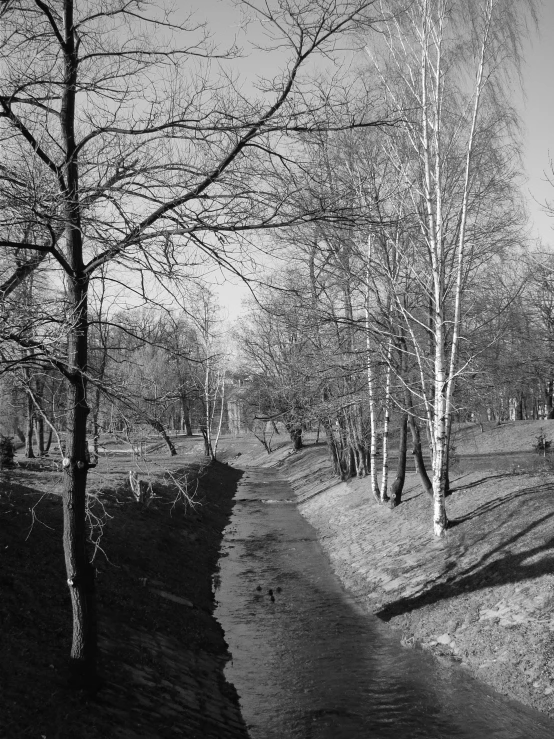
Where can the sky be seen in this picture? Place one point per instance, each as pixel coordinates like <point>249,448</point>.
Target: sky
<point>537,112</point>
<point>535,102</point>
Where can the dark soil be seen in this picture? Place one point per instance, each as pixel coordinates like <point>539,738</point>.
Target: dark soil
<point>162,652</point>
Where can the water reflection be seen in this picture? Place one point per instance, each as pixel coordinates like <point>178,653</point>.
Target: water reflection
<point>308,663</point>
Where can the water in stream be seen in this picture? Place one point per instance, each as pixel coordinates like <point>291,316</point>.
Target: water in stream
<point>309,664</point>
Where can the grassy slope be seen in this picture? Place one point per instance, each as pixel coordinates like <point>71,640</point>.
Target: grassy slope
<point>483,597</point>
<point>513,436</point>
<point>162,652</point>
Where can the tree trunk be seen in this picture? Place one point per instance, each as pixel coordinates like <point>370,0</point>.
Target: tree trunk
<point>440,461</point>
<point>361,457</point>
<point>39,429</point>
<point>39,416</point>
<point>418,456</point>
<point>29,453</point>
<point>80,573</point>
<point>333,451</point>
<point>207,445</point>
<point>549,392</point>
<point>385,448</point>
<point>48,441</point>
<point>186,425</point>
<point>352,460</point>
<point>295,433</point>
<point>438,424</point>
<point>374,485</point>
<point>447,490</point>
<point>222,410</point>
<point>398,484</point>
<point>159,427</point>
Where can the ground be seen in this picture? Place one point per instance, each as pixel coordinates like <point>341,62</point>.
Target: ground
<point>162,652</point>
<point>483,597</point>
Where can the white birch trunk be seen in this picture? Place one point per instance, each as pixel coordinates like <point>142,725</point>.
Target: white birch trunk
<point>431,152</point>
<point>439,433</point>
<point>385,473</point>
<point>419,45</point>
<point>218,434</point>
<point>207,404</point>
<point>373,427</point>
<point>374,485</point>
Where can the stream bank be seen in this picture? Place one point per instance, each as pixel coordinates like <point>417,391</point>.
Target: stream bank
<point>309,663</point>
<point>162,653</point>
<point>482,597</point>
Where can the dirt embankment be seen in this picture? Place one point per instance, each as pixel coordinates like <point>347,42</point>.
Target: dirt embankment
<point>162,652</point>
<point>484,596</point>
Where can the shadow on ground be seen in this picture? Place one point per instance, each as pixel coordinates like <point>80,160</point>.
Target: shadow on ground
<point>501,555</point>
<point>162,652</point>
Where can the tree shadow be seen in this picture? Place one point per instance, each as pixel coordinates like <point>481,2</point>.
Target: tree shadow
<point>493,568</point>
<point>498,502</point>
<point>476,483</point>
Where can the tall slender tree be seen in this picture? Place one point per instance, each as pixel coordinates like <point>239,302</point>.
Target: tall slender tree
<point>443,63</point>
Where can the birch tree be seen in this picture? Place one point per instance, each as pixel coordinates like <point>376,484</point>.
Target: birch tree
<point>212,358</point>
<point>443,64</point>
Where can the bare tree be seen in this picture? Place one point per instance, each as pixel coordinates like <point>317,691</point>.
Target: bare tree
<point>275,346</point>
<point>144,159</point>
<point>455,135</point>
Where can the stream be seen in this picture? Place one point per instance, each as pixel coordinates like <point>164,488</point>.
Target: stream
<point>308,663</point>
